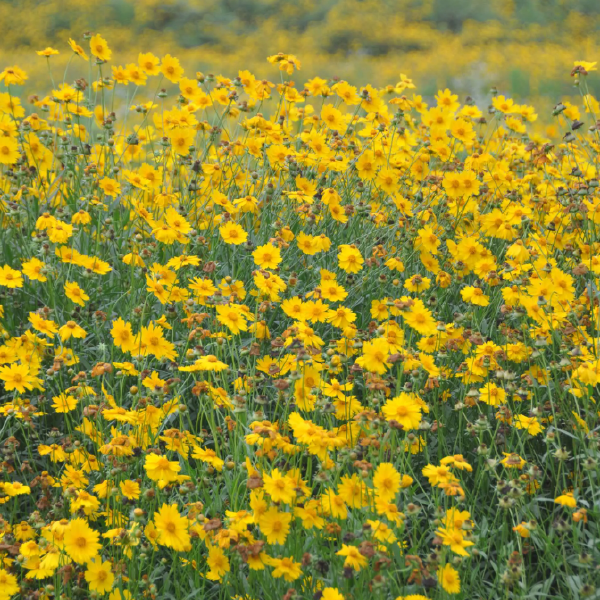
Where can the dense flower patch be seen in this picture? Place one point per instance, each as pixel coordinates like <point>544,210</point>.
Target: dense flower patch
<point>271,340</point>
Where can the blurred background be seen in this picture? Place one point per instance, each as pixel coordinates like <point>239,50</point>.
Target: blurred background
<point>524,47</point>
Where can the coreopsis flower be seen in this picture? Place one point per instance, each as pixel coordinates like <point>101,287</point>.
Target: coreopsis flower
<point>454,538</point>
<point>172,528</point>
<point>492,394</point>
<point>9,151</point>
<point>353,558</point>
<point>567,499</point>
<point>208,456</point>
<point>71,329</point>
<point>64,403</point>
<point>111,187</point>
<point>286,62</point>
<point>503,104</point>
<point>420,319</point>
<point>417,283</point>
<point>267,256</point>
<point>16,488</point>
<point>130,489</point>
<point>13,76</point>
<point>512,460</point>
<point>149,63</point>
<point>78,49</point>
<point>17,377</point>
<point>404,409</point>
<point>475,296</point>
<point>171,68</point>
<point>279,487</point>
<point>10,278</point>
<point>353,491</point>
<point>81,541</point>
<point>123,335</point>
<point>437,474</point>
<point>232,233</point>
<point>275,525</point>
<point>99,576</point>
<point>42,325</point>
<point>285,567</point>
<point>99,48</point>
<point>8,584</point>
<point>59,232</point>
<point>386,481</point>
<point>232,318</point>
<point>152,341</point>
<point>588,66</point>
<point>375,356</point>
<point>341,317</point>
<point>522,530</point>
<point>350,259</point>
<point>182,139</point>
<point>332,118</point>
<point>34,269</point>
<point>449,579</point>
<point>208,362</point>
<point>75,293</point>
<point>161,468</point>
<point>530,424</point>
<point>217,562</point>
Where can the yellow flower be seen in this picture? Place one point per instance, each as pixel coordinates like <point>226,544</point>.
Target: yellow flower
<point>149,63</point>
<point>449,579</point>
<point>75,293</point>
<point>475,296</point>
<point>99,48</point>
<point>279,487</point>
<point>374,357</point>
<point>34,269</point>
<point>17,377</point>
<point>232,233</point>
<point>111,187</point>
<point>16,488</point>
<point>350,259</point>
<point>354,559</point>
<point>404,409</point>
<point>567,500</point>
<point>161,468</point>
<point>217,562</point>
<point>130,489</point>
<point>171,68</point>
<point>13,76</point>
<point>99,576</point>
<point>531,424</point>
<point>64,403</point>
<point>232,317</point>
<point>275,525</point>
<point>8,584</point>
<point>81,541</point>
<point>10,278</point>
<point>78,49</point>
<point>454,538</point>
<point>267,256</point>
<point>172,528</point>
<point>386,481</point>
<point>71,329</point>
<point>47,52</point>
<point>182,139</point>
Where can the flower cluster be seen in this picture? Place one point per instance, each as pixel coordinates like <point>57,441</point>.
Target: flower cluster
<point>276,340</point>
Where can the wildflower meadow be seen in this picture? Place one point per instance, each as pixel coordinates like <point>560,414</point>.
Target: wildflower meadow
<point>294,338</point>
